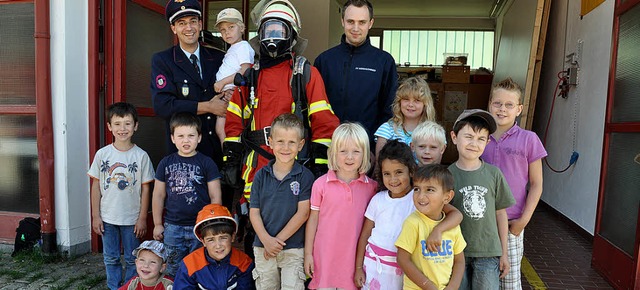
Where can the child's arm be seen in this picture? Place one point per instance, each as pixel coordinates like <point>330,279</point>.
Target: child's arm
<point>97,225</point>
<point>215,193</point>
<point>409,269</point>
<point>503,230</point>
<point>219,85</point>
<point>360,277</point>
<point>533,197</point>
<point>379,144</point>
<point>157,207</point>
<point>456,272</point>
<point>141,225</point>
<point>309,237</point>
<point>453,218</point>
<point>272,245</point>
<point>298,219</point>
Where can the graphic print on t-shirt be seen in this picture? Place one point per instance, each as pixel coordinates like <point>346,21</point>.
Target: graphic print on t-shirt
<point>119,174</point>
<point>473,201</point>
<point>444,253</point>
<point>182,179</point>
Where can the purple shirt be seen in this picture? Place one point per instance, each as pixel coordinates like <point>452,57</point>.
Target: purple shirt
<point>516,149</point>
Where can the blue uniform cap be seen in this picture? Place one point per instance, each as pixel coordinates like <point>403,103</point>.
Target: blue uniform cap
<point>177,9</point>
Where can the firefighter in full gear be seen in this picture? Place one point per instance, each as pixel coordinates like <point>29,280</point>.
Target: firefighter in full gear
<point>267,93</point>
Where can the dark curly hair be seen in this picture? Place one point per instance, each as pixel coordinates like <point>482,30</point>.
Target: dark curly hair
<point>398,151</point>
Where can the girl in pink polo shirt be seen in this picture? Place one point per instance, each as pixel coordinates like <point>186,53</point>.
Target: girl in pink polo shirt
<point>518,153</point>
<point>338,201</point>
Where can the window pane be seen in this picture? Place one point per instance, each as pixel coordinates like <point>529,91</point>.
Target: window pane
<point>19,159</point>
<point>147,33</point>
<point>626,103</point>
<point>621,198</point>
<point>427,47</point>
<point>17,54</point>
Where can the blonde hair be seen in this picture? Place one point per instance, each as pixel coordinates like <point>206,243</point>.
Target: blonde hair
<point>419,89</point>
<point>289,121</point>
<point>508,85</point>
<point>355,133</point>
<point>429,129</point>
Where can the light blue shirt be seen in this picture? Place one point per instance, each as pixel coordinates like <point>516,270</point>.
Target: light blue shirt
<point>197,53</point>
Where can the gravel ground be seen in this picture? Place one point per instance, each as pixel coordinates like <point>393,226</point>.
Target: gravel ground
<point>35,271</point>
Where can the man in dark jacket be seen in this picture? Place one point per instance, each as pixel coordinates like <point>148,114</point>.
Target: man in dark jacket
<point>360,79</point>
<point>182,77</point>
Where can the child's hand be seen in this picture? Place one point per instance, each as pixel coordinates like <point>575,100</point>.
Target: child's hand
<point>217,87</point>
<point>504,266</point>
<point>434,240</point>
<point>272,246</point>
<point>97,226</point>
<point>516,226</point>
<point>158,232</point>
<point>140,228</point>
<point>308,265</point>
<point>360,277</point>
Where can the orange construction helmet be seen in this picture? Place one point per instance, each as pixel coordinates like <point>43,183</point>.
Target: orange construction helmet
<point>213,214</point>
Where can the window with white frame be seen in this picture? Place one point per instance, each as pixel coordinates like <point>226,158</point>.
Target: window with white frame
<point>427,47</point>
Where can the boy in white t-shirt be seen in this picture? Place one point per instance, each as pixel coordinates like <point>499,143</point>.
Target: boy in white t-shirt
<point>238,58</point>
<point>121,174</point>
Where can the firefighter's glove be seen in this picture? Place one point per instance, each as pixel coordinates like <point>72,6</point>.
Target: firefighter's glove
<point>232,164</point>
<point>319,160</point>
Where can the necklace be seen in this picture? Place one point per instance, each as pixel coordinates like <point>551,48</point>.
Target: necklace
<point>408,134</point>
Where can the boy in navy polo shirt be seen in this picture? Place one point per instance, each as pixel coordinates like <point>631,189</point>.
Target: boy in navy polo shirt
<point>279,209</point>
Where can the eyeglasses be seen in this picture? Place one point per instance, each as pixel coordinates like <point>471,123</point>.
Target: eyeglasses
<point>498,105</point>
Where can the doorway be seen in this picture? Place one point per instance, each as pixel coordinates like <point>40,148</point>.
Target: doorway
<point>617,236</point>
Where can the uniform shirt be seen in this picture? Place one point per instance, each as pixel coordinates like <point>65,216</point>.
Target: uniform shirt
<point>176,87</point>
<point>273,98</point>
<point>278,200</point>
<point>186,181</point>
<point>361,82</point>
<point>121,175</point>
<point>437,266</point>
<point>478,195</point>
<point>516,149</point>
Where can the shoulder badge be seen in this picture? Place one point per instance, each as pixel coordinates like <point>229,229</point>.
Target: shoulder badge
<point>161,81</point>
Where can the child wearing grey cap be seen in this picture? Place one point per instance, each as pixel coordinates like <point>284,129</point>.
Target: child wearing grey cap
<point>151,261</point>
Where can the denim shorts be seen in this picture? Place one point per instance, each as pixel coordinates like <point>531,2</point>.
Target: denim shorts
<point>481,273</point>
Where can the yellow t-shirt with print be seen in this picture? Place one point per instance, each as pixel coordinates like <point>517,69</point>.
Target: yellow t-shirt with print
<point>436,266</point>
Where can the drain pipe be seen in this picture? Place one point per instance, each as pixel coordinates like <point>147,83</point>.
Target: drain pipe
<point>44,124</point>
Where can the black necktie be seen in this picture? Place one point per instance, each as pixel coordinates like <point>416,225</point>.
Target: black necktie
<point>194,61</point>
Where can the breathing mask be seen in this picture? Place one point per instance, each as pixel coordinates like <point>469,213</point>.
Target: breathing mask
<point>276,38</point>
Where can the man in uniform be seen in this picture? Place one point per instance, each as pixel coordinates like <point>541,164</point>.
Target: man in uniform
<point>182,76</point>
<point>249,120</point>
<point>182,79</point>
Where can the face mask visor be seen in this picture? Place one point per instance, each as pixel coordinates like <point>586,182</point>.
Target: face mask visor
<point>274,30</point>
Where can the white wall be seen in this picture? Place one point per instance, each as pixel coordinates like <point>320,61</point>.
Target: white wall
<point>578,121</point>
<point>69,89</point>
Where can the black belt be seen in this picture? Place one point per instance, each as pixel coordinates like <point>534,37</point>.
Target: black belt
<point>259,137</point>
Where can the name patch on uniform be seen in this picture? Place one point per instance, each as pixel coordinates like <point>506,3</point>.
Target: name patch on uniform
<point>161,81</point>
<point>366,69</point>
